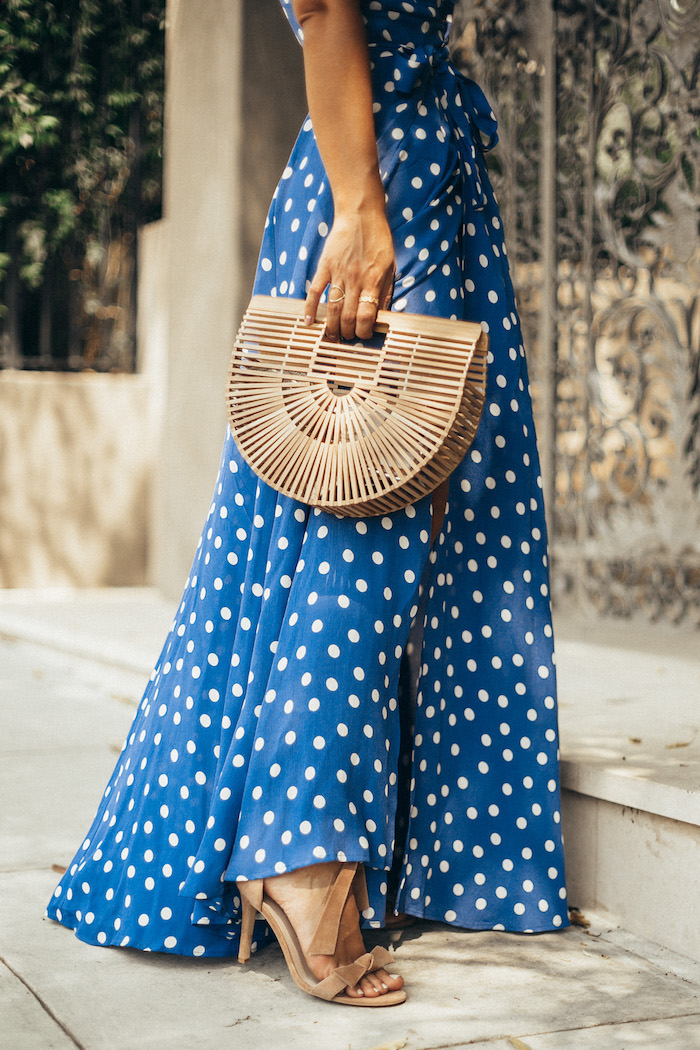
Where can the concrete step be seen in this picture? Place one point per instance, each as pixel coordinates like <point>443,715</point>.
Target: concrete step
<point>630,723</point>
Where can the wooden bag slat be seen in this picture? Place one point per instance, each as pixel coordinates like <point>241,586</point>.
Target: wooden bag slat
<point>432,376</point>
<point>354,428</point>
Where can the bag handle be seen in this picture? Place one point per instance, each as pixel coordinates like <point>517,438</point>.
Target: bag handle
<point>350,362</point>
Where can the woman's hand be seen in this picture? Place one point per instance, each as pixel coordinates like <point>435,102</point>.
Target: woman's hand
<point>358,264</point>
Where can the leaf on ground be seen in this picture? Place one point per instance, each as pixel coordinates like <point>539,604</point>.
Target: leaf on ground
<point>518,1043</point>
<point>679,743</point>
<point>577,918</point>
<point>60,869</point>
<point>635,740</point>
<point>395,1044</point>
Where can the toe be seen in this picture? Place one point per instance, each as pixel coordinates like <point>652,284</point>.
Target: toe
<point>371,986</point>
<point>391,981</point>
<point>379,983</point>
<point>356,992</point>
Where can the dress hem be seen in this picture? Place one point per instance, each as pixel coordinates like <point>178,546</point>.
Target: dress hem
<point>228,948</point>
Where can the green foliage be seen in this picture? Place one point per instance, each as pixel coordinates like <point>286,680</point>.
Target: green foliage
<point>81,102</point>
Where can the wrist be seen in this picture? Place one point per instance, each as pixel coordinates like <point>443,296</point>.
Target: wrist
<point>363,193</point>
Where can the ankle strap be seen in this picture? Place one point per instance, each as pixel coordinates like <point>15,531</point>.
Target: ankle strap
<point>325,936</point>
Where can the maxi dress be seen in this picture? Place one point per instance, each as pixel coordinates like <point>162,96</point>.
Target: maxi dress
<point>268,735</point>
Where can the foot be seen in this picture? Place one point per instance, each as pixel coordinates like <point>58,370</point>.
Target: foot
<point>297,893</point>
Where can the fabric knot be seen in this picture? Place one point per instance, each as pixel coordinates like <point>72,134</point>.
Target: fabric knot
<point>413,64</point>
<point>351,974</point>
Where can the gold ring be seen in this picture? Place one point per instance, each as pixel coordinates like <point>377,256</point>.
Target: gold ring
<point>338,298</point>
<point>368,299</point>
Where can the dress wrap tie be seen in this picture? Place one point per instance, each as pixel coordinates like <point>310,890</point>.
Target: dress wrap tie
<point>466,108</point>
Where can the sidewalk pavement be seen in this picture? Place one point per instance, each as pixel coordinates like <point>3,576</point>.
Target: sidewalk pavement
<point>73,670</point>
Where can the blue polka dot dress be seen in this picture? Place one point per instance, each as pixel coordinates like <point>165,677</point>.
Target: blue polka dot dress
<point>268,736</point>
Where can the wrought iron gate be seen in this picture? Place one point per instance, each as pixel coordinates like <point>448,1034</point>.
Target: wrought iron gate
<point>598,174</point>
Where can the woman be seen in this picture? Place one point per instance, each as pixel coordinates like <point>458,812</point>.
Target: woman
<point>260,774</point>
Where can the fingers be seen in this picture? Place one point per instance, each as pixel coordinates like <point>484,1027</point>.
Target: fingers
<point>350,314</point>
<point>335,303</point>
<point>369,302</point>
<point>366,315</point>
<point>311,306</point>
<point>354,292</point>
<point>359,314</point>
<point>313,296</point>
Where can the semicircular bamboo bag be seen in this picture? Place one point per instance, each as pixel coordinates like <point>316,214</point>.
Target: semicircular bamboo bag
<point>354,428</point>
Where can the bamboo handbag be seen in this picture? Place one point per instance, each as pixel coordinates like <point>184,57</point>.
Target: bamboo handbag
<point>355,428</point>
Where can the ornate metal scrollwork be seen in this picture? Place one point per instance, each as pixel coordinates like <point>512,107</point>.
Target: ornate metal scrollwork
<point>626,523</point>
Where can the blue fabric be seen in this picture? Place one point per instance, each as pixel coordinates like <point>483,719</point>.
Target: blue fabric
<point>268,736</point>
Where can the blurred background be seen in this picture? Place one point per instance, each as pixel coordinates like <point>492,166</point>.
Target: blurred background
<point>130,219</point>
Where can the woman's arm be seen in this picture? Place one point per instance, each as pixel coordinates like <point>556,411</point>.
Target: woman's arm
<point>358,255</point>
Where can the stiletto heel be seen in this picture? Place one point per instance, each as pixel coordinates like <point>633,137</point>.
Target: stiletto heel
<point>350,879</point>
<point>248,913</point>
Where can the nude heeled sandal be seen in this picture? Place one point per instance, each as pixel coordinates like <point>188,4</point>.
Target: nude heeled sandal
<point>350,878</point>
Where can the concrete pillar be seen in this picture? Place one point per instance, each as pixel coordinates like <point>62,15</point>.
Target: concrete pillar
<point>234,103</point>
